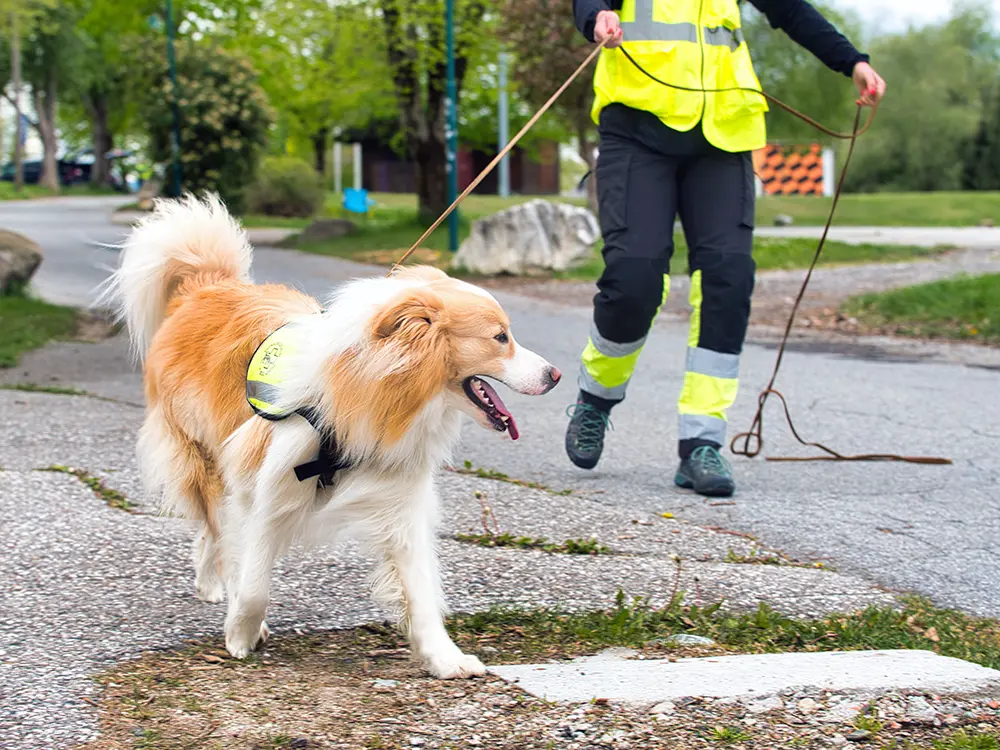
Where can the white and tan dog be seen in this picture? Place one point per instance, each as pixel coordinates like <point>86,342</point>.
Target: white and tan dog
<point>388,367</point>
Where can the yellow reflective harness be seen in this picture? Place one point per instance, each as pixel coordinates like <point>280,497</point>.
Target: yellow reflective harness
<point>266,373</point>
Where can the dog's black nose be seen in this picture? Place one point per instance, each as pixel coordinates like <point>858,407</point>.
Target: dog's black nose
<point>554,375</point>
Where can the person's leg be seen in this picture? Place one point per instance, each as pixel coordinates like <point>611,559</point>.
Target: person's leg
<point>717,211</point>
<point>637,205</point>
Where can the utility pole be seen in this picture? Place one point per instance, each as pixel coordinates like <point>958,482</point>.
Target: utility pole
<point>451,128</point>
<point>175,146</point>
<point>503,119</point>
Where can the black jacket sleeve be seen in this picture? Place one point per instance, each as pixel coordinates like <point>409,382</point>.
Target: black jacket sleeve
<point>808,28</point>
<point>585,13</point>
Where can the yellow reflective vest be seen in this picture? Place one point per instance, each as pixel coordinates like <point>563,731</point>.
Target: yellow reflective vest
<point>697,44</point>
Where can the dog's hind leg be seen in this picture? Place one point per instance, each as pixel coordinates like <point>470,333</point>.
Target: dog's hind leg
<point>191,487</point>
<point>409,581</point>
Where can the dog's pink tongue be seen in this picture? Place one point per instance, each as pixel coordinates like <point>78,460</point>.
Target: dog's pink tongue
<point>502,408</point>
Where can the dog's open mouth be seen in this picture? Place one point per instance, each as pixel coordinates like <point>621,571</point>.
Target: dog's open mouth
<point>482,395</point>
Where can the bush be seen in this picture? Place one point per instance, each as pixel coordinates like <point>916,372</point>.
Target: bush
<point>286,186</point>
<point>224,115</point>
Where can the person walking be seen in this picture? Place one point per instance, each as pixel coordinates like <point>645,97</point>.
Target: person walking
<point>665,152</point>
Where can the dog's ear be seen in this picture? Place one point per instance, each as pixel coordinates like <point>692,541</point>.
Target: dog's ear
<point>411,315</point>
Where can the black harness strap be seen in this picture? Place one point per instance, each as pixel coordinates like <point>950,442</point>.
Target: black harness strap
<point>330,460</point>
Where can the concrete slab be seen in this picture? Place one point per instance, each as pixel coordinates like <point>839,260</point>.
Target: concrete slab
<point>649,682</point>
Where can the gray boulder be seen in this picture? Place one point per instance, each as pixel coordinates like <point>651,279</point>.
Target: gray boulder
<point>529,238</point>
<point>19,259</point>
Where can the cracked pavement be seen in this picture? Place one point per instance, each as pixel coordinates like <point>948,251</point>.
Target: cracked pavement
<point>83,585</point>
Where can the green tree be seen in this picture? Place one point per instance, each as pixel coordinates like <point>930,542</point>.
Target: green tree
<point>321,68</point>
<point>938,80</point>
<point>17,16</point>
<point>548,48</point>
<point>105,85</point>
<point>225,119</point>
<point>50,54</point>
<point>415,38</point>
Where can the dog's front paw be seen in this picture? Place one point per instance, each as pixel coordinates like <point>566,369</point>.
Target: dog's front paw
<point>240,641</point>
<point>457,666</point>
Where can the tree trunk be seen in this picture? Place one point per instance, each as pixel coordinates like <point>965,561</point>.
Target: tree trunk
<point>320,141</point>
<point>45,107</point>
<point>15,67</point>
<point>103,140</point>
<point>431,168</point>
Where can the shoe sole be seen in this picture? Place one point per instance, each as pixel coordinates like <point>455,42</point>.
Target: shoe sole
<point>725,489</point>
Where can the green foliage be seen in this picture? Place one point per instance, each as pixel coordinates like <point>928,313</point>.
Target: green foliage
<point>938,78</point>
<point>28,324</point>
<point>321,66</point>
<point>286,186</point>
<point>959,308</point>
<point>225,119</point>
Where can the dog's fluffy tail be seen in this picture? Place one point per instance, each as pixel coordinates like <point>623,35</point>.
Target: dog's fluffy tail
<point>182,245</point>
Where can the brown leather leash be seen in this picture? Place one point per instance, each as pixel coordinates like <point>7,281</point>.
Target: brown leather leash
<point>753,440</point>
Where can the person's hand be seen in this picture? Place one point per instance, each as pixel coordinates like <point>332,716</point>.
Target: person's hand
<point>870,85</point>
<point>607,27</point>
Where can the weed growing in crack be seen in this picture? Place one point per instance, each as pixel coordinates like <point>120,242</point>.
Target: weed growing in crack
<point>506,539</point>
<point>727,735</point>
<point>112,498</point>
<point>469,470</point>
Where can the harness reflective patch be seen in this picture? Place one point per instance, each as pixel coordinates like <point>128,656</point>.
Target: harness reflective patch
<point>267,371</point>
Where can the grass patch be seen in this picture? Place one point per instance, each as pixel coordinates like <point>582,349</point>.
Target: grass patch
<point>33,388</point>
<point>112,498</point>
<point>29,192</point>
<point>520,634</point>
<point>885,209</point>
<point>966,307</point>
<point>30,323</point>
<point>964,740</point>
<point>506,539</point>
<point>759,557</point>
<point>498,476</point>
<point>727,735</point>
<point>258,221</point>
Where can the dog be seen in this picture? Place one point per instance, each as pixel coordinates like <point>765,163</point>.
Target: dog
<point>373,389</point>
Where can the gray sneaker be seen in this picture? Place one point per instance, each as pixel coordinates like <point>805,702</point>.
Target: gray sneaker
<point>585,434</point>
<point>706,472</point>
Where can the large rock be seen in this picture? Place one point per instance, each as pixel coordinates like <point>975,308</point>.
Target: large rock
<point>530,238</point>
<point>19,259</point>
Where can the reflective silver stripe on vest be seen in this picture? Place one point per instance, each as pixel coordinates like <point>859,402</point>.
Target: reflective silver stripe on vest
<point>269,394</point>
<point>720,36</point>
<point>645,29</point>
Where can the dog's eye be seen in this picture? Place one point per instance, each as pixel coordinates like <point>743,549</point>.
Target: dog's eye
<point>501,337</point>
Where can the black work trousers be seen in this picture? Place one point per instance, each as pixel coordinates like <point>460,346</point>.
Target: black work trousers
<point>647,175</point>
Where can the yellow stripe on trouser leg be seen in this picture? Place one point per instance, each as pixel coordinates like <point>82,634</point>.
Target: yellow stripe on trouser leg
<point>711,381</point>
<point>607,366</point>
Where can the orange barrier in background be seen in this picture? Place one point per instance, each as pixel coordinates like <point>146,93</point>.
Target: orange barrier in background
<point>791,170</point>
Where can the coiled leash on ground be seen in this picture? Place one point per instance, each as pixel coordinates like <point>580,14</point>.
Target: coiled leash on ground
<point>753,440</point>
